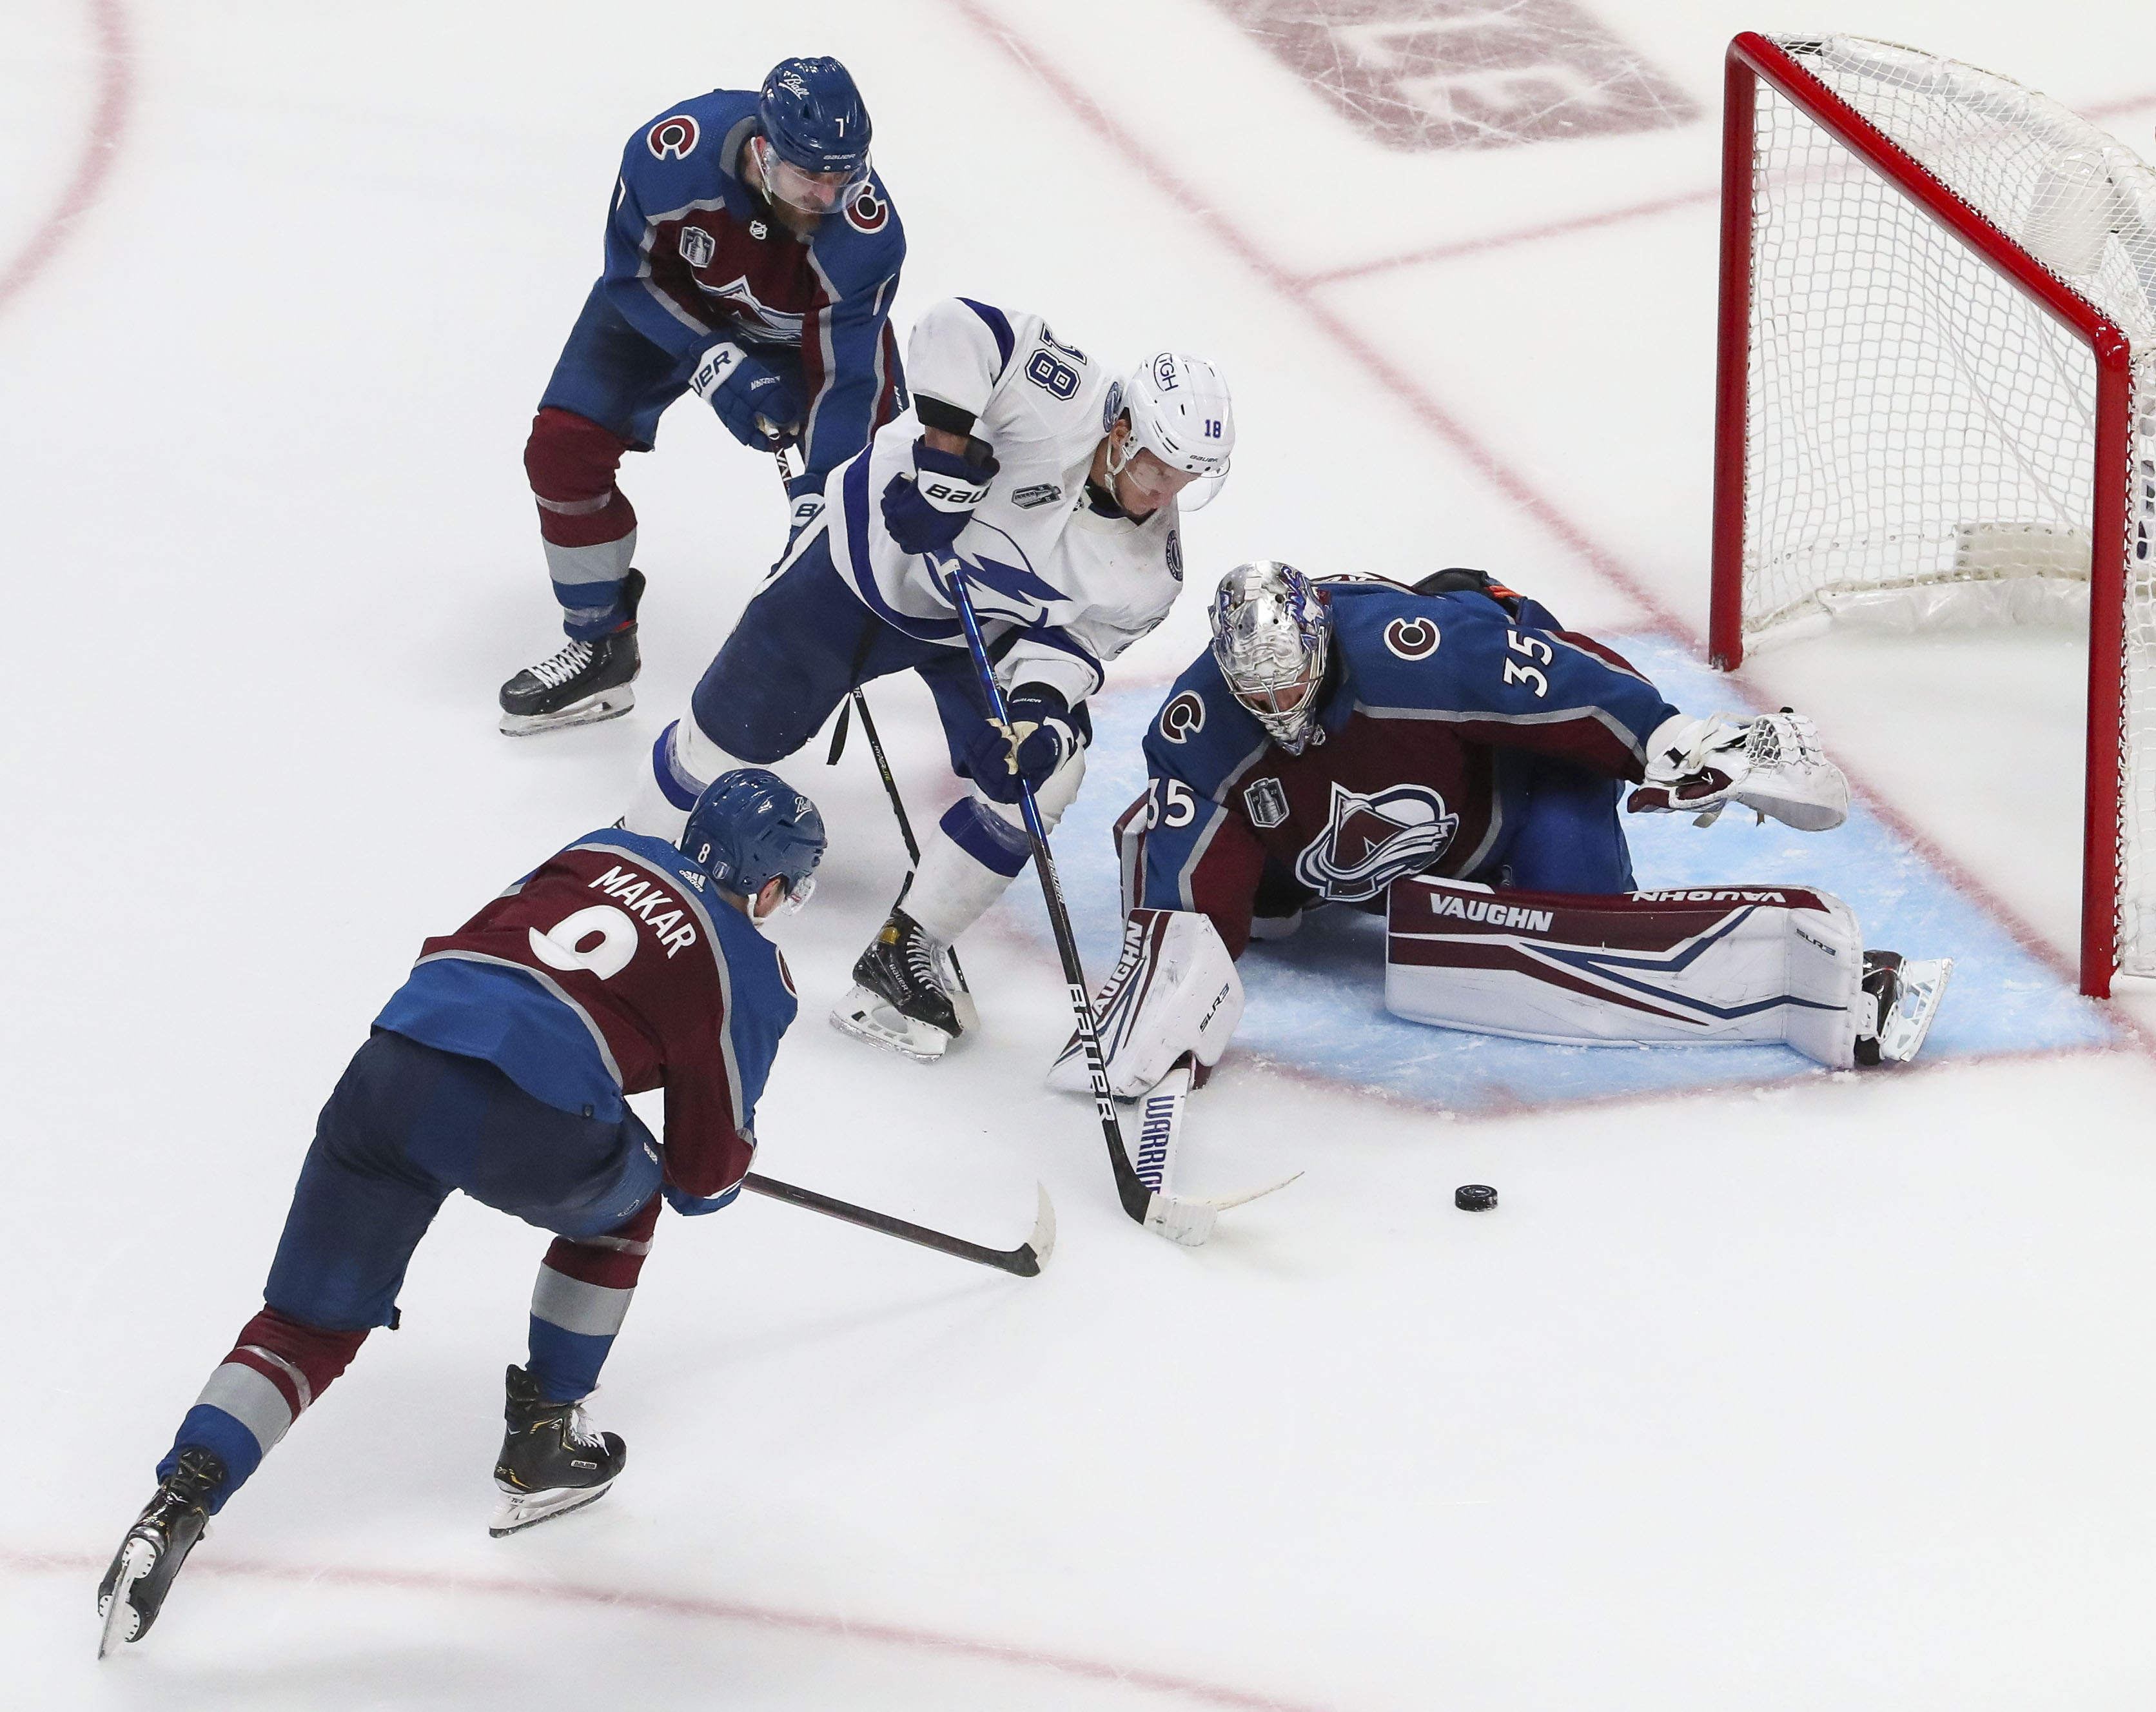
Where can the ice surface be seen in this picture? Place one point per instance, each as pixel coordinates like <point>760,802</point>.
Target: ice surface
<point>1831,1392</point>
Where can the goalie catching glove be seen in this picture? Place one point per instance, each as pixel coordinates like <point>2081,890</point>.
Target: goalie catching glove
<point>1174,990</point>
<point>1772,765</point>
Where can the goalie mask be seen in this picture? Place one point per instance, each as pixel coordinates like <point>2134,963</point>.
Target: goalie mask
<point>1272,636</point>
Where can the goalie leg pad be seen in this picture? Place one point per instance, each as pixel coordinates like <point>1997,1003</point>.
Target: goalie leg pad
<point>1174,990</point>
<point>1711,965</point>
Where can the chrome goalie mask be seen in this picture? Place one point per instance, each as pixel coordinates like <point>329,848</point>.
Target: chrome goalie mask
<point>1272,635</point>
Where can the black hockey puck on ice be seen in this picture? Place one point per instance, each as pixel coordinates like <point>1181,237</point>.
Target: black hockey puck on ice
<point>1474,1197</point>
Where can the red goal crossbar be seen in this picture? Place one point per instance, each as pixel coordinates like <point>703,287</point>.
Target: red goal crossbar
<point>1752,59</point>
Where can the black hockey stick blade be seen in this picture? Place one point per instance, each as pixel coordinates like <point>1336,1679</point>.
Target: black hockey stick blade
<point>1025,1261</point>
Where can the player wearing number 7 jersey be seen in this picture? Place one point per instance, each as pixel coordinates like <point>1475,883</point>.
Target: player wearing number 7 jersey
<point>1453,753</point>
<point>621,965</point>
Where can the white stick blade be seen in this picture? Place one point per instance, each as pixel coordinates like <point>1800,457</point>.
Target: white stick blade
<point>1042,1242</point>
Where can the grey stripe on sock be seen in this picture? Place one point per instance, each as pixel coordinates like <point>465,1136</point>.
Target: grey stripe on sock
<point>606,562</point>
<point>590,1310</point>
<point>250,1399</point>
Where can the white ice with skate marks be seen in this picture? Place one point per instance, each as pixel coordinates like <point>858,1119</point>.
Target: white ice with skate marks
<point>1315,1002</point>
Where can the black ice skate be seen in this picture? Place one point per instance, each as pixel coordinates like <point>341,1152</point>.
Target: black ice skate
<point>133,1591</point>
<point>584,683</point>
<point>902,997</point>
<point>1903,995</point>
<point>551,1461</point>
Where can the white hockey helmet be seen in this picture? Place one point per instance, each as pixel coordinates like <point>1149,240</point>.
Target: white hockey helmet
<point>1181,412</point>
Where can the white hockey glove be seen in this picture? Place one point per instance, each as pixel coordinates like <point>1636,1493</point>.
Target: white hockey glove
<point>1772,765</point>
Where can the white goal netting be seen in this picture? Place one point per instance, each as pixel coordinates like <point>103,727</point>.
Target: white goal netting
<point>1920,435</point>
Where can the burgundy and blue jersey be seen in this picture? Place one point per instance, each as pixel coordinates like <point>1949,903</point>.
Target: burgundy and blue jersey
<point>1425,698</point>
<point>693,255</point>
<point>608,971</point>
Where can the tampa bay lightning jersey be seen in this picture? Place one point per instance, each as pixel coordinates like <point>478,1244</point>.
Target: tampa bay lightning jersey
<point>1403,775</point>
<point>1080,584</point>
<point>693,255</point>
<point>607,971</point>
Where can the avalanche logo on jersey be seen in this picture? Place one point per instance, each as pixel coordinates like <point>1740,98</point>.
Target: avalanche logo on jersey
<point>752,319</point>
<point>673,138</point>
<point>1183,716</point>
<point>1371,841</point>
<point>868,212</point>
<point>1411,637</point>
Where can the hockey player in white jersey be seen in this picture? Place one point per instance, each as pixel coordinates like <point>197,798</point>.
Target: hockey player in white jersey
<point>1052,483</point>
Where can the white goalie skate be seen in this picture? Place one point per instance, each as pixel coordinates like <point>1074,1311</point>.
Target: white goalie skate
<point>1772,764</point>
<point>1905,993</point>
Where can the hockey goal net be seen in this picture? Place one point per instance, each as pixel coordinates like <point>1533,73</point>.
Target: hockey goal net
<point>1938,380</point>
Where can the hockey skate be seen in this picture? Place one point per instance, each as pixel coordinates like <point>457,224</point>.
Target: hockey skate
<point>903,996</point>
<point>133,1591</point>
<point>552,1461</point>
<point>1905,994</point>
<point>584,683</point>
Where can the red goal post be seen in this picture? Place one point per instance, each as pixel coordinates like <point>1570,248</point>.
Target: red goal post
<point>1936,319</point>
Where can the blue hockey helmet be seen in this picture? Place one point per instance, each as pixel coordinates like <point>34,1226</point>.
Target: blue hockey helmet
<point>818,130</point>
<point>750,827</point>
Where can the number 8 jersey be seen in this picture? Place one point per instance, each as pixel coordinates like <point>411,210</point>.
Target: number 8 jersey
<point>610,971</point>
<point>1080,583</point>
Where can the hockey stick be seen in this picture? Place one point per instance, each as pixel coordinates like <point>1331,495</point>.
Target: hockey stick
<point>1160,1128</point>
<point>1188,1222</point>
<point>1025,1261</point>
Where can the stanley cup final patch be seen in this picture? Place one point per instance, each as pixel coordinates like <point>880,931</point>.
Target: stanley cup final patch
<point>1266,803</point>
<point>697,246</point>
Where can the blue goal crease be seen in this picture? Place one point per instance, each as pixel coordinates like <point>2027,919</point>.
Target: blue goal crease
<point>1315,1002</point>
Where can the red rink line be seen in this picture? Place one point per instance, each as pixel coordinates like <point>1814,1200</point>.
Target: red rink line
<point>100,143</point>
<point>1612,217</point>
<point>1302,290</point>
<point>703,1610</point>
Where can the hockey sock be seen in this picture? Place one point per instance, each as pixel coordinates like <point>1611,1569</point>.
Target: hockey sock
<point>670,778</point>
<point>978,849</point>
<point>579,1301</point>
<point>586,523</point>
<point>277,1369</point>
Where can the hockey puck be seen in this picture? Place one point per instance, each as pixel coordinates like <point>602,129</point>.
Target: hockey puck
<point>1474,1197</point>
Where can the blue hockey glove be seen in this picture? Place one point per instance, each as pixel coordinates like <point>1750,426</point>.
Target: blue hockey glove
<point>690,1206</point>
<point>925,512</point>
<point>752,398</point>
<point>1043,736</point>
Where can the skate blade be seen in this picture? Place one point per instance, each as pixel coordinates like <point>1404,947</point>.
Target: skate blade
<point>607,704</point>
<point>122,1622</point>
<point>520,1510</point>
<point>864,1016</point>
<point>1923,984</point>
